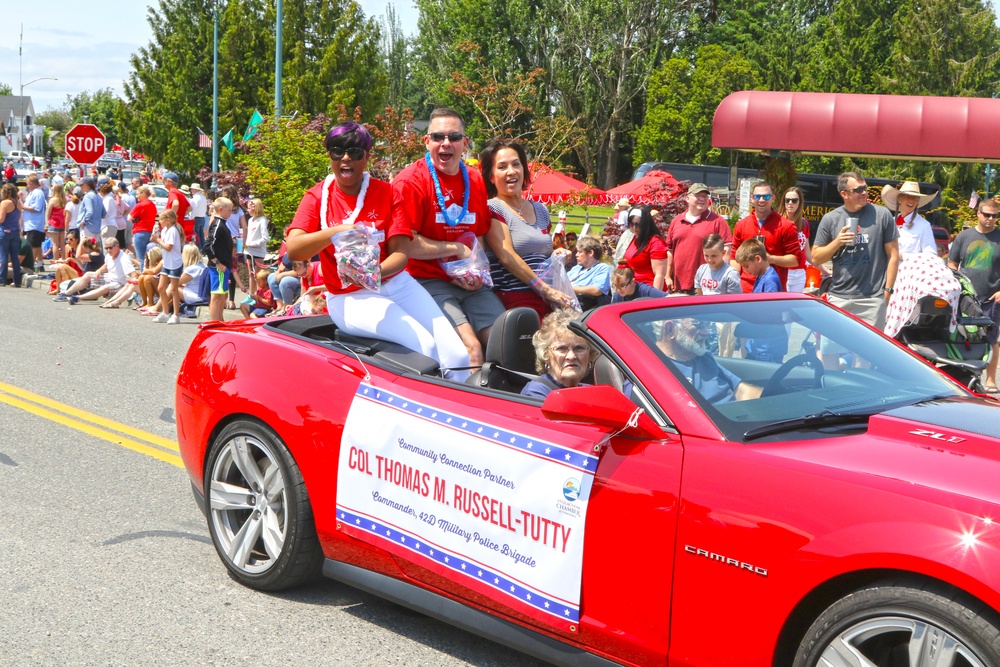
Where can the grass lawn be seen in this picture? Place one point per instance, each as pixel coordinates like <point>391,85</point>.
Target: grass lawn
<point>576,216</point>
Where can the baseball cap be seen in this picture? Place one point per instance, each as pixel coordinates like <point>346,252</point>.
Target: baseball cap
<point>78,190</point>
<point>89,181</point>
<point>170,176</point>
<point>697,187</point>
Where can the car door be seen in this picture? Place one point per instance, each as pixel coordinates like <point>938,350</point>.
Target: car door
<point>629,521</point>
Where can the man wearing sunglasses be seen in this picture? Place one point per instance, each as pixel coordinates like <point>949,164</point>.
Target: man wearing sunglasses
<point>862,241</point>
<point>443,200</point>
<point>976,251</point>
<point>778,235</point>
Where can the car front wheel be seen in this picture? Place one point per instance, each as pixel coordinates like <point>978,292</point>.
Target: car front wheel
<point>899,625</point>
<point>260,518</point>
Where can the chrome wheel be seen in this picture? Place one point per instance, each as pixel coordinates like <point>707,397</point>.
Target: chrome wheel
<point>259,513</point>
<point>892,640</point>
<point>903,623</point>
<point>248,504</point>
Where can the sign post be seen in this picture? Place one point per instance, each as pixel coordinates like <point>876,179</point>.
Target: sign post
<point>84,143</point>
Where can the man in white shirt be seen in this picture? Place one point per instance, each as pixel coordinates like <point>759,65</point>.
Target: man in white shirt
<point>116,272</point>
<point>199,209</point>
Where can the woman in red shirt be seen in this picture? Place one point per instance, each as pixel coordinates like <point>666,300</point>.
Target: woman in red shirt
<point>647,253</point>
<point>401,310</point>
<point>143,217</point>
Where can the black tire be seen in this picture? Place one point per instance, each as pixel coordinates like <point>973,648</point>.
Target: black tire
<point>880,625</point>
<point>259,513</point>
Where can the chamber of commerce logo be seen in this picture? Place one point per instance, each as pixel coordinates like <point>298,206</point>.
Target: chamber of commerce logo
<point>571,489</point>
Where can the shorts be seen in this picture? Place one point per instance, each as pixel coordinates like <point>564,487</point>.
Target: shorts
<point>219,277</point>
<point>870,309</point>
<point>35,238</point>
<point>479,309</point>
<point>991,309</point>
<point>173,273</point>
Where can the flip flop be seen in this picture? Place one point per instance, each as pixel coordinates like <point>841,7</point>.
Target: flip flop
<point>991,389</point>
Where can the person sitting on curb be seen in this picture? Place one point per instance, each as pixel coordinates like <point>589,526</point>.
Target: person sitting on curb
<point>111,277</point>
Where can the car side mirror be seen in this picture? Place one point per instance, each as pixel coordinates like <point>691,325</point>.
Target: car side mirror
<point>601,405</point>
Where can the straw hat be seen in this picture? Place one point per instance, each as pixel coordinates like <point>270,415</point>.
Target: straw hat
<point>890,194</point>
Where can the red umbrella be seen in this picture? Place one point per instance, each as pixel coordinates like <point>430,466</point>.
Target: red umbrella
<point>548,186</point>
<point>655,186</point>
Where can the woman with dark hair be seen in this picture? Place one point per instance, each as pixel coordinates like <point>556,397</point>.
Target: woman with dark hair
<point>518,240</point>
<point>401,311</point>
<point>647,253</point>
<point>790,208</point>
<point>237,226</point>
<point>10,233</point>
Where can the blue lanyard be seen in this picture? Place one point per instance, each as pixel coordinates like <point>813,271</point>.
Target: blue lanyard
<point>440,194</point>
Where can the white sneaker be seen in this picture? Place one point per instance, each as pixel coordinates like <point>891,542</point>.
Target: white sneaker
<point>161,318</point>
<point>174,320</point>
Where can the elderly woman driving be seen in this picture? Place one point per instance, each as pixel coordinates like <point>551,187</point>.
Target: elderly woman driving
<point>562,357</point>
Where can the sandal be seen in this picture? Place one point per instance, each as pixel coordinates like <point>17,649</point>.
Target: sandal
<point>990,389</point>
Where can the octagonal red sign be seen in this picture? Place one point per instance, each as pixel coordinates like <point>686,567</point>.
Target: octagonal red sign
<point>84,143</point>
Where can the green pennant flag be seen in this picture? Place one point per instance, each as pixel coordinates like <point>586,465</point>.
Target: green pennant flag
<point>227,140</point>
<point>255,120</point>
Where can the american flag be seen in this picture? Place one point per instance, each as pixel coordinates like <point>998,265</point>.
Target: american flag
<point>204,141</point>
<point>974,199</point>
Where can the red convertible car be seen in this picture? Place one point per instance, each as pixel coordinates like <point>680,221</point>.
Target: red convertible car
<point>748,506</point>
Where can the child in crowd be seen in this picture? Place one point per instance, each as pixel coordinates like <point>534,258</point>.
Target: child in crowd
<point>219,252</point>
<point>752,256</point>
<point>625,287</point>
<point>149,281</point>
<point>170,240</point>
<point>263,302</point>
<point>713,277</point>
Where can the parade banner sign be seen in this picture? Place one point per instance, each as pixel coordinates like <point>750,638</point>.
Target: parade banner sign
<point>493,509</point>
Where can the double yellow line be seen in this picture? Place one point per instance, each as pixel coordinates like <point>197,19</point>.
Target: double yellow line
<point>99,427</point>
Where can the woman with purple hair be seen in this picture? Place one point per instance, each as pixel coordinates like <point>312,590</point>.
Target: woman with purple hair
<point>401,311</point>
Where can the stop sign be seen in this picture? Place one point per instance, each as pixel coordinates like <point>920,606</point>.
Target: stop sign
<point>84,143</point>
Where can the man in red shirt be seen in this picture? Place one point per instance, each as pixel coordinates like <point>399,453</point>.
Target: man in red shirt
<point>687,235</point>
<point>779,236</point>
<point>177,201</point>
<point>443,200</point>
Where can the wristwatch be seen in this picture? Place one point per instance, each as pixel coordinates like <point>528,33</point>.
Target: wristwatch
<point>889,290</point>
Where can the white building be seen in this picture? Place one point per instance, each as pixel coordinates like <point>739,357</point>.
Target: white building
<point>17,114</point>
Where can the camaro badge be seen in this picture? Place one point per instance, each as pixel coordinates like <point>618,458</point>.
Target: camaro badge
<point>719,558</point>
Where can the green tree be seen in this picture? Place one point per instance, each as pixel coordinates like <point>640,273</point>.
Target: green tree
<point>681,101</point>
<point>5,89</point>
<point>246,62</point>
<point>98,108</point>
<point>56,120</point>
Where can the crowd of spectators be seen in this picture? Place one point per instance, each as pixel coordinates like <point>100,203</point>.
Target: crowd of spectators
<point>456,247</point>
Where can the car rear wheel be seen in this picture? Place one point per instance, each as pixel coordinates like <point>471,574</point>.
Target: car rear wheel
<point>902,626</point>
<point>260,518</point>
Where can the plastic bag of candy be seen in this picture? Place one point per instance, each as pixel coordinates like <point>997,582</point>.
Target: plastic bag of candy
<point>475,267</point>
<point>358,258</point>
<point>553,273</point>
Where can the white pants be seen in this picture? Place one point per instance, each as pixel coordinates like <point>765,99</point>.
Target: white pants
<point>404,313</point>
<point>796,280</point>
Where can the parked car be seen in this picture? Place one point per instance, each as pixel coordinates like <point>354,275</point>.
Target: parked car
<point>684,508</point>
<point>159,196</point>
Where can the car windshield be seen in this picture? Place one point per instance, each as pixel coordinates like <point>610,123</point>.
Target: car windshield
<point>752,364</point>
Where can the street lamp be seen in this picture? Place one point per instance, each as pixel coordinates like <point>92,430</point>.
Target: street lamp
<point>21,124</point>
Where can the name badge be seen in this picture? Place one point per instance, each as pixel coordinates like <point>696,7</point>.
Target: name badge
<point>379,236</point>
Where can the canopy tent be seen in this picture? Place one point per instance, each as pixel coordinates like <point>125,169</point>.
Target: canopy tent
<point>548,186</point>
<point>654,186</point>
<point>952,129</point>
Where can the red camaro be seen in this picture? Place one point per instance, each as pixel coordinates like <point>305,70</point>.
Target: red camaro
<point>713,496</point>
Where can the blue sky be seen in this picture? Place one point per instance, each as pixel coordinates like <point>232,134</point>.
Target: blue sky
<point>90,50</point>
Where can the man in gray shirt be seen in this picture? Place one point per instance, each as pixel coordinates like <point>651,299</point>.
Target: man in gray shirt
<point>976,251</point>
<point>861,239</point>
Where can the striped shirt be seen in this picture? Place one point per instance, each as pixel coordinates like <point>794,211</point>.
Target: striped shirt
<point>531,242</point>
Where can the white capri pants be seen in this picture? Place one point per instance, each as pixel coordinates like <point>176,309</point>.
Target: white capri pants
<point>404,313</point>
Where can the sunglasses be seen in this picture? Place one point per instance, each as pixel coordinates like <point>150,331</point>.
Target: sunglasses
<point>791,200</point>
<point>453,137</point>
<point>354,153</point>
<point>762,197</point>
<point>989,215</point>
<point>858,190</point>
<point>633,224</point>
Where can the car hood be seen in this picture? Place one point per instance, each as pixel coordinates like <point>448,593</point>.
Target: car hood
<point>952,445</point>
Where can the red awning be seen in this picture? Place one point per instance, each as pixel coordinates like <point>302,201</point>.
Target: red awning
<point>548,187</point>
<point>951,129</point>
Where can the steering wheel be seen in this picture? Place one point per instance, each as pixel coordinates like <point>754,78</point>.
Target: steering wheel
<point>774,384</point>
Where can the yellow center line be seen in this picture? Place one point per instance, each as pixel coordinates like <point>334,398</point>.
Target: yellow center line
<point>125,429</point>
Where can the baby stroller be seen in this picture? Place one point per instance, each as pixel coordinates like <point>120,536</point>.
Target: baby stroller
<point>945,325</point>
